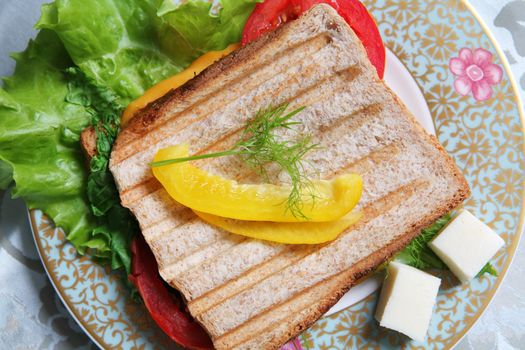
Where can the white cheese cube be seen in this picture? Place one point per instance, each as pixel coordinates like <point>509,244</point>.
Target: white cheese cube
<point>466,245</point>
<point>406,300</point>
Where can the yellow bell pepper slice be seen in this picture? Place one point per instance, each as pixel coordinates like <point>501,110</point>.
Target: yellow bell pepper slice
<point>212,194</point>
<point>285,232</point>
<point>175,81</point>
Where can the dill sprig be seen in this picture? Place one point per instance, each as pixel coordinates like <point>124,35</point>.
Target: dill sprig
<point>418,254</point>
<point>259,145</point>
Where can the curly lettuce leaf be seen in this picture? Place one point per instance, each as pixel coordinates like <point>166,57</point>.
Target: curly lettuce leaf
<point>39,138</point>
<point>43,109</point>
<point>6,174</point>
<point>205,26</point>
<point>116,226</point>
<point>127,47</point>
<point>121,45</point>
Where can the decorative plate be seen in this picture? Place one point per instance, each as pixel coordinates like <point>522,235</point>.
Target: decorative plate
<point>473,103</point>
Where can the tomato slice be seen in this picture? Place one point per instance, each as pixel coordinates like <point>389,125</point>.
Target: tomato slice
<point>163,306</point>
<point>270,14</point>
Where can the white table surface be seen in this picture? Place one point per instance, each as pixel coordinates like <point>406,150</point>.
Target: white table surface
<point>31,314</point>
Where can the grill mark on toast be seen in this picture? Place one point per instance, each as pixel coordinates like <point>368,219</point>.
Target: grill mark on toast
<point>153,231</point>
<point>260,273</point>
<point>393,199</point>
<point>205,237</point>
<point>273,253</point>
<point>360,117</point>
<point>197,258</point>
<point>191,218</point>
<point>314,44</point>
<point>241,340</point>
<point>230,342</point>
<point>146,187</point>
<point>184,215</point>
<point>221,143</point>
<point>196,250</point>
<point>348,73</point>
<point>375,209</point>
<point>174,209</point>
<point>219,255</point>
<point>366,163</point>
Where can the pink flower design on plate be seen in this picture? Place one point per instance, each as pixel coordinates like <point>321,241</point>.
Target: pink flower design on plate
<point>475,73</point>
<point>292,345</point>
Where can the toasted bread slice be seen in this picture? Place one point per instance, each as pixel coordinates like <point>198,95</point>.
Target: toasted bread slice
<point>251,294</point>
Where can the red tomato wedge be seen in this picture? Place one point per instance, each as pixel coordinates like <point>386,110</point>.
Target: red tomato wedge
<point>270,14</point>
<point>164,307</point>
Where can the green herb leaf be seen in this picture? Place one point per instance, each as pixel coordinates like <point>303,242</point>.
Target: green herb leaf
<point>116,225</point>
<point>488,268</point>
<point>259,145</point>
<point>231,152</point>
<point>418,253</point>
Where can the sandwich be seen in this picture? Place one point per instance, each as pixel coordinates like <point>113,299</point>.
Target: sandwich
<point>255,294</point>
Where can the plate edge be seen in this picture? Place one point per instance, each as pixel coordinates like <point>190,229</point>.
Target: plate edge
<point>70,309</point>
<point>520,227</point>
